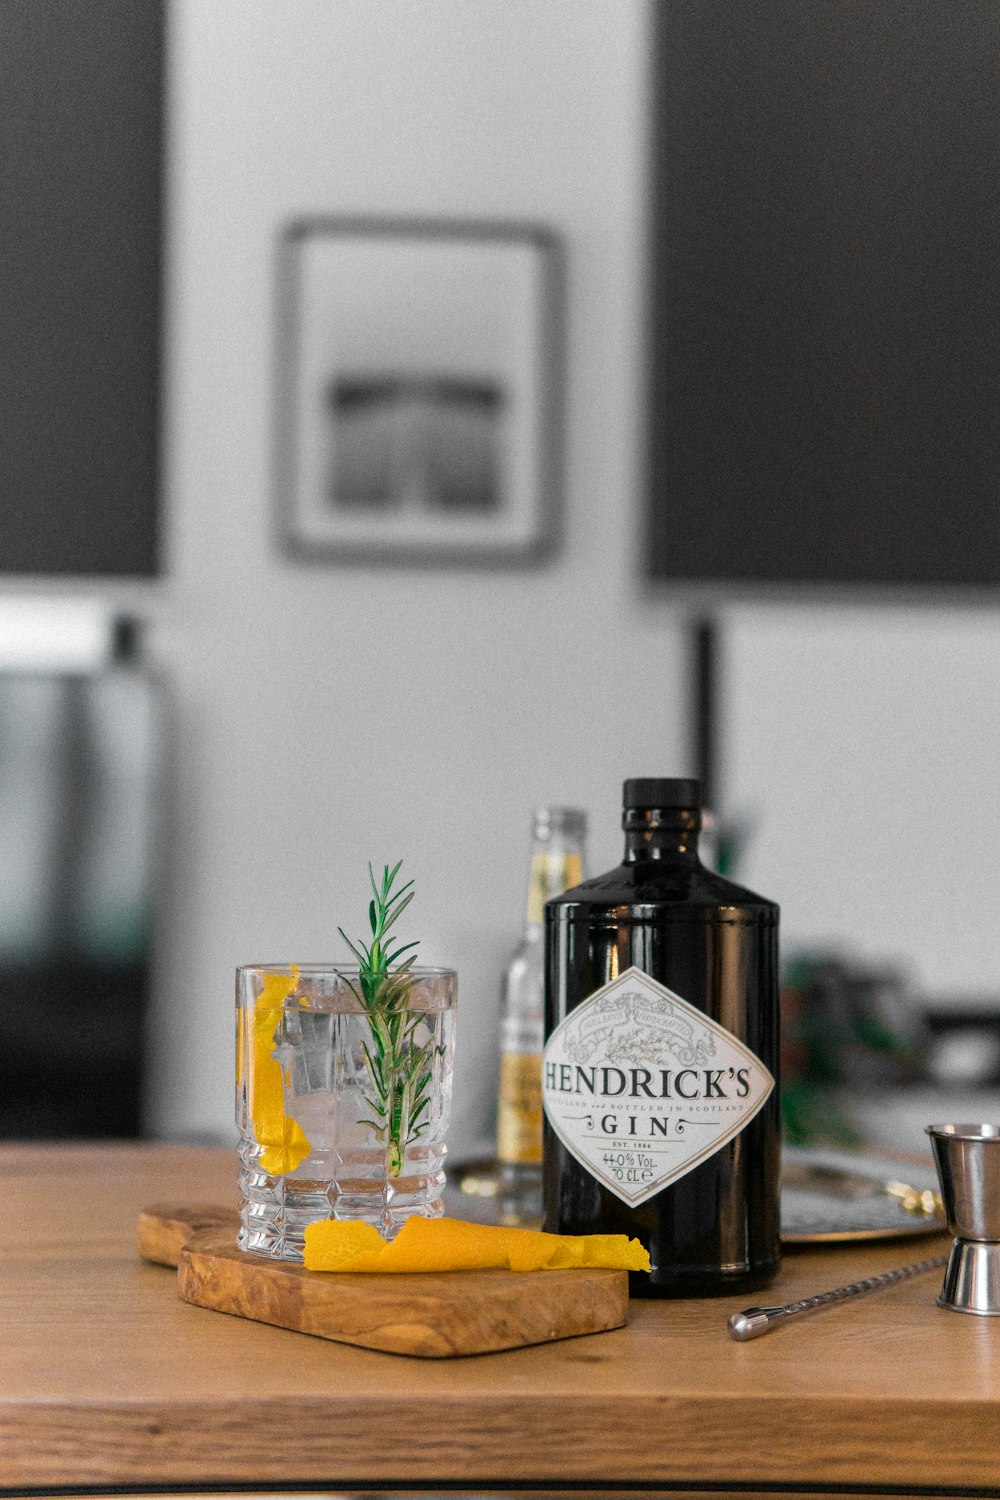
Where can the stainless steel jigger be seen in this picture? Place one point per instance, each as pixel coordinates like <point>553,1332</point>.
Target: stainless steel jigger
<point>968,1165</point>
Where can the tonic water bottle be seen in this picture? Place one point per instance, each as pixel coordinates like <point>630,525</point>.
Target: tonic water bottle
<point>556,861</point>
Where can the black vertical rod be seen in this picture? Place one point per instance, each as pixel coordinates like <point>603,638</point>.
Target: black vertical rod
<point>704,666</point>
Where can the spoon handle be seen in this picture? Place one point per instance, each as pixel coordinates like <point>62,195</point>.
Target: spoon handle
<point>754,1321</point>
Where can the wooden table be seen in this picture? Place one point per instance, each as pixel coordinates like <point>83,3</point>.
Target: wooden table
<point>108,1381</point>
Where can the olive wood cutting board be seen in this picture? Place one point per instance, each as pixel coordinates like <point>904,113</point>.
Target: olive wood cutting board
<point>433,1315</point>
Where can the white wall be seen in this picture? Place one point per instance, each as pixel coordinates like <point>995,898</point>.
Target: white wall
<point>326,716</point>
<point>862,743</point>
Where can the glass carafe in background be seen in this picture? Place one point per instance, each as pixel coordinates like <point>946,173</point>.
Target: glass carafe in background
<point>558,840</point>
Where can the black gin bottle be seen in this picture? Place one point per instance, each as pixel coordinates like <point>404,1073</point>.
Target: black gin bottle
<point>661,1057</point>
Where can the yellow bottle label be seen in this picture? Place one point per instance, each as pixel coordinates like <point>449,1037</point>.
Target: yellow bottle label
<point>550,874</point>
<point>519,1119</point>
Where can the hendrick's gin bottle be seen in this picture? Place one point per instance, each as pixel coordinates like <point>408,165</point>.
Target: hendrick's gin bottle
<point>660,1064</point>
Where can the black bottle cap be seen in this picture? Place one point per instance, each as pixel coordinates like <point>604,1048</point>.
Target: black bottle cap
<point>656,791</point>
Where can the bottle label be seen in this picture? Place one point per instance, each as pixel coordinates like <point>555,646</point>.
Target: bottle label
<point>519,1119</point>
<point>551,873</point>
<point>641,1086</point>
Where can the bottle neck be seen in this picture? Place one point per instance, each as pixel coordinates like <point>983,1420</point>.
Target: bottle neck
<point>661,833</point>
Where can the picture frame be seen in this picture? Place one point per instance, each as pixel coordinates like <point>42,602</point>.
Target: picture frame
<point>418,390</point>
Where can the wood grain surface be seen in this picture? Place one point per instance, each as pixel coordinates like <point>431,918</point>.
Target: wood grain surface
<point>163,1229</point>
<point>109,1379</point>
<point>432,1317</point>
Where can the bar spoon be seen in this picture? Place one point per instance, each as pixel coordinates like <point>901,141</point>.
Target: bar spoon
<point>754,1321</point>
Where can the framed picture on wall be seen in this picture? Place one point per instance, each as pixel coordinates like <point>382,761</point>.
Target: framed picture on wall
<point>418,386</point>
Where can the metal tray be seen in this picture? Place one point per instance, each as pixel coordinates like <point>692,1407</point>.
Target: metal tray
<point>826,1195</point>
<point>830,1195</point>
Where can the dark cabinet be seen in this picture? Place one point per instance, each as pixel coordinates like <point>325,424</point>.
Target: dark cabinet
<point>825,325</point>
<point>81,86</point>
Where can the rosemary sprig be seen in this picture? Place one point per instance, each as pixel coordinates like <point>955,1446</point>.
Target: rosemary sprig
<point>399,1069</point>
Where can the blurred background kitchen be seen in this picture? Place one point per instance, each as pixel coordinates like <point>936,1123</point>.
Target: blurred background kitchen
<point>726,462</point>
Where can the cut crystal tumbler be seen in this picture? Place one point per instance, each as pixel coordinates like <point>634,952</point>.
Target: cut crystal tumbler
<point>342,1107</point>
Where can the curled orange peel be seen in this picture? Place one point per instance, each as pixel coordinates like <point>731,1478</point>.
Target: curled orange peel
<point>456,1245</point>
<point>283,1139</point>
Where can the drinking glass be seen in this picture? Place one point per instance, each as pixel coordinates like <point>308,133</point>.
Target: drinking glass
<point>342,1108</point>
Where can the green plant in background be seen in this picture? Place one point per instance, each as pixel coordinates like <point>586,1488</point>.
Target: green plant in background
<point>845,1028</point>
<point>399,1067</point>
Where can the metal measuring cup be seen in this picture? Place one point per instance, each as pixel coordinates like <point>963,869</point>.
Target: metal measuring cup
<point>968,1165</point>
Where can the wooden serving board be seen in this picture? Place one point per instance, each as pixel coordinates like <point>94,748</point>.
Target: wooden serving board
<point>434,1316</point>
